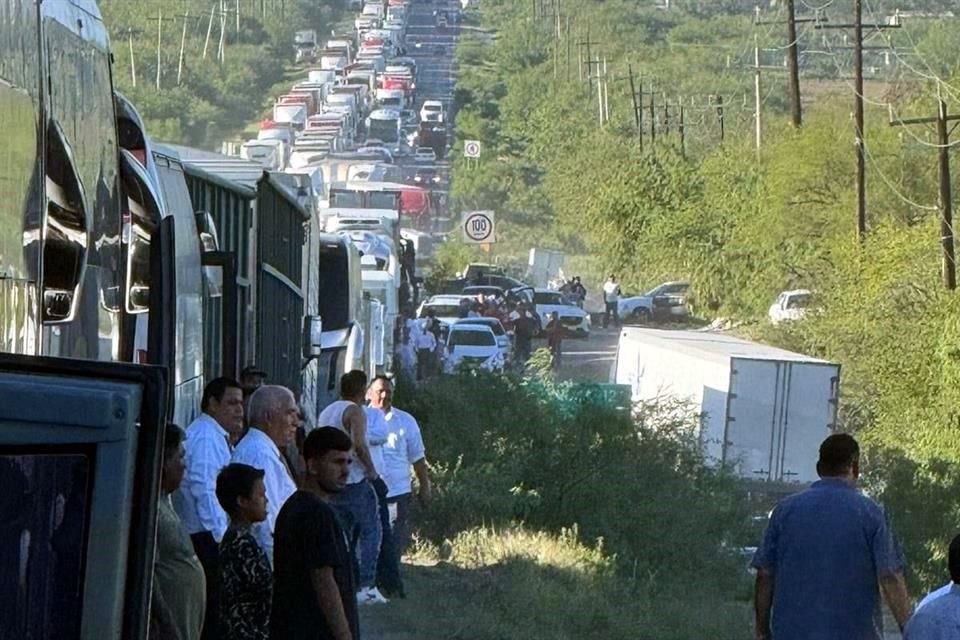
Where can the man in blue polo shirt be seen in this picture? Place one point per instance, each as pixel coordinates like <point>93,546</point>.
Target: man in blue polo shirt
<point>827,553</point>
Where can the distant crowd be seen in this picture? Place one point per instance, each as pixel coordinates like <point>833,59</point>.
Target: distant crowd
<point>267,530</point>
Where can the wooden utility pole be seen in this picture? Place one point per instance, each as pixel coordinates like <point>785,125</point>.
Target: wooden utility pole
<point>719,107</point>
<point>636,108</point>
<point>794,65</point>
<point>860,143</point>
<point>948,266</point>
<point>653,120</point>
<point>680,128</point>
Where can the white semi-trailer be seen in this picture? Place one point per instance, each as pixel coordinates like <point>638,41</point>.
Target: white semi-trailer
<point>763,411</point>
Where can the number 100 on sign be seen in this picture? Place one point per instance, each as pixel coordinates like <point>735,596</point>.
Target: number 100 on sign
<point>479,227</point>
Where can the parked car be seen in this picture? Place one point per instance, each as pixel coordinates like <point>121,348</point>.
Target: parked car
<point>574,318</point>
<point>503,339</point>
<point>446,309</point>
<point>790,305</point>
<point>425,154</point>
<point>664,302</point>
<point>472,346</point>
<point>427,177</point>
<point>483,290</point>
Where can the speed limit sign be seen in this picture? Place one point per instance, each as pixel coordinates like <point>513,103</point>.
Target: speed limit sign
<point>471,148</point>
<point>479,227</point>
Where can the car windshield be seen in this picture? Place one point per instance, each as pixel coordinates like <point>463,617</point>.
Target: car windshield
<point>668,289</point>
<point>799,301</point>
<point>471,339</point>
<point>494,325</point>
<point>548,298</point>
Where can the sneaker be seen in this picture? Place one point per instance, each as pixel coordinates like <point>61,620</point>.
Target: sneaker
<point>370,595</point>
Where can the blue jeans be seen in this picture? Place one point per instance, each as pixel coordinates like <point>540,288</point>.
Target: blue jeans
<point>356,507</point>
<point>388,565</point>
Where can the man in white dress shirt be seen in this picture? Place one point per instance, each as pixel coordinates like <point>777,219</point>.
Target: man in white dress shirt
<point>403,448</point>
<point>274,418</point>
<point>207,449</point>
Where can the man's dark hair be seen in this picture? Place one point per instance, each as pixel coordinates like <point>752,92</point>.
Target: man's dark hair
<point>353,383</point>
<point>172,439</point>
<point>837,454</point>
<point>215,390</point>
<point>953,559</point>
<point>320,441</point>
<point>236,481</point>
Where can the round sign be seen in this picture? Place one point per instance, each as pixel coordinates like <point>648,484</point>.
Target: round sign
<point>471,149</point>
<point>478,227</point>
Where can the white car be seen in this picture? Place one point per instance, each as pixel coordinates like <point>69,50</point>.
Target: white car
<point>665,301</point>
<point>548,302</point>
<point>472,346</point>
<point>790,305</point>
<point>425,154</point>
<point>503,339</point>
<point>446,309</point>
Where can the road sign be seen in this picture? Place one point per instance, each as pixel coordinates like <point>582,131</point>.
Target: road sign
<point>479,227</point>
<point>471,148</point>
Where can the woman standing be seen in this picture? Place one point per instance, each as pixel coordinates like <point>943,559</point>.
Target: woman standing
<point>246,578</point>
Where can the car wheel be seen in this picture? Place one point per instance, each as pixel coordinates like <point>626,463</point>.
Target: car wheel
<point>641,314</point>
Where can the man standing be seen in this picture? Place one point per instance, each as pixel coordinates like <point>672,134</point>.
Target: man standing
<point>356,505</point>
<point>274,418</point>
<point>404,447</point>
<point>426,343</point>
<point>938,617</point>
<point>313,589</point>
<point>824,553</point>
<point>179,583</point>
<point>207,452</point>
<point>611,301</point>
<point>524,329</point>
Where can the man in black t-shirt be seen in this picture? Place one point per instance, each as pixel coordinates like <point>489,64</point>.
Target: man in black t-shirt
<point>314,595</point>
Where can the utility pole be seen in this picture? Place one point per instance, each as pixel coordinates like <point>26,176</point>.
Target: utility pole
<point>636,109</point>
<point>719,107</point>
<point>653,120</point>
<point>183,42</point>
<point>159,38</point>
<point>567,34</point>
<point>130,32</point>
<point>758,129</point>
<point>206,42</point>
<point>948,265</point>
<point>794,65</point>
<point>860,144</point>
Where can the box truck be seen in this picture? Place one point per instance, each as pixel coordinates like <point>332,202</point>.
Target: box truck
<point>763,411</point>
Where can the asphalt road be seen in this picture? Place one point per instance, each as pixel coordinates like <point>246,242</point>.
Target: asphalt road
<point>589,359</point>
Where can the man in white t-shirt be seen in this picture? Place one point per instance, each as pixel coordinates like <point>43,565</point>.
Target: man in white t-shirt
<point>611,301</point>
<point>403,448</point>
<point>426,344</point>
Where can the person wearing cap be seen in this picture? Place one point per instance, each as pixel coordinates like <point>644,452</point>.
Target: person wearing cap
<point>827,554</point>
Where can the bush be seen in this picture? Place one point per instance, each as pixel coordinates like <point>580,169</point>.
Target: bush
<point>556,456</point>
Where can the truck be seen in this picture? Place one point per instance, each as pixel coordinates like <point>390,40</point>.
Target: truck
<point>762,411</point>
<point>433,135</point>
<point>543,266</point>
<point>305,45</point>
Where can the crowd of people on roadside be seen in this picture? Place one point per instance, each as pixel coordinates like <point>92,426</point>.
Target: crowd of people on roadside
<point>267,530</point>
<point>829,553</point>
<point>421,340</point>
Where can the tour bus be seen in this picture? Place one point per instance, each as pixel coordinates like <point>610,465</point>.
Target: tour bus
<point>77,427</point>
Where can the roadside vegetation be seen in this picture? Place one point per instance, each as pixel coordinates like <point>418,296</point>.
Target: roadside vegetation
<point>740,225</point>
<point>215,99</point>
<point>558,515</point>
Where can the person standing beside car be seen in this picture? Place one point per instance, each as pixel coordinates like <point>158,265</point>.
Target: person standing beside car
<point>611,300</point>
